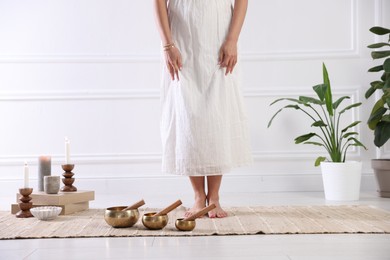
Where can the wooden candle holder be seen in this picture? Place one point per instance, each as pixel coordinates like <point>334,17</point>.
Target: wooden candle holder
<point>68,180</point>
<point>25,205</point>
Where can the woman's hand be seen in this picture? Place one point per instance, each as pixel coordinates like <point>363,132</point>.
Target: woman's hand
<point>228,56</point>
<point>173,61</point>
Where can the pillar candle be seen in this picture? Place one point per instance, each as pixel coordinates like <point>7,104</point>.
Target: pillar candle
<point>44,169</point>
<point>67,150</point>
<point>26,175</point>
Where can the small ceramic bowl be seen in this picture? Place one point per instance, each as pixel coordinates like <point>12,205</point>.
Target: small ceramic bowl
<point>117,218</point>
<point>154,223</point>
<point>46,212</point>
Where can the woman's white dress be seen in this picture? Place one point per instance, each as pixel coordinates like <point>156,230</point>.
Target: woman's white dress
<point>203,122</point>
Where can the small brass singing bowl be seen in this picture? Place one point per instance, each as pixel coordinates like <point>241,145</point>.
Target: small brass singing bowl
<point>154,223</point>
<point>185,225</point>
<point>117,218</point>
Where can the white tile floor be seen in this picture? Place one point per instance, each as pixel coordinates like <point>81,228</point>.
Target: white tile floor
<point>268,247</point>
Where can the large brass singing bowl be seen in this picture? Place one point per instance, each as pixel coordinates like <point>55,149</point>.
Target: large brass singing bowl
<point>154,223</point>
<point>185,225</point>
<point>117,218</point>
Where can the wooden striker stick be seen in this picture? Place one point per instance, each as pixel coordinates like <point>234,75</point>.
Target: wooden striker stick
<point>135,205</point>
<point>168,209</point>
<point>200,213</point>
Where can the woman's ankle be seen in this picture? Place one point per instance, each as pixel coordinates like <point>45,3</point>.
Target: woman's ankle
<point>200,197</point>
<point>212,198</point>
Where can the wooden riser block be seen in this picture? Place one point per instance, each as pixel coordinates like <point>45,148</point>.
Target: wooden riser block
<point>66,209</point>
<point>62,198</point>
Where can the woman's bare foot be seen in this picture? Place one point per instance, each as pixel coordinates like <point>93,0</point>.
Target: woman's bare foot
<point>198,185</point>
<point>218,212</point>
<point>199,204</point>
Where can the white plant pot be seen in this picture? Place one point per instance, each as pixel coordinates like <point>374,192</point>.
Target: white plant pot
<point>341,180</point>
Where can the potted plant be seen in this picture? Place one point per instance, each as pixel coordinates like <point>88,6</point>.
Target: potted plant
<point>379,120</point>
<point>341,178</point>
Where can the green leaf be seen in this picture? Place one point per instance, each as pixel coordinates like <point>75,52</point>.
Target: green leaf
<point>377,115</point>
<point>321,91</point>
<point>379,30</point>
<point>387,83</point>
<point>319,123</point>
<point>349,107</point>
<point>328,93</point>
<point>357,142</point>
<point>288,99</point>
<point>280,110</point>
<point>338,102</point>
<point>377,84</point>
<point>369,92</point>
<point>378,105</point>
<point>351,125</point>
<point>386,65</point>
<point>374,86</point>
<point>308,100</point>
<point>376,68</point>
<point>314,143</point>
<point>379,54</point>
<point>386,118</point>
<point>384,76</point>
<point>382,133</point>
<point>303,138</point>
<point>378,45</point>
<point>319,160</point>
<point>349,134</point>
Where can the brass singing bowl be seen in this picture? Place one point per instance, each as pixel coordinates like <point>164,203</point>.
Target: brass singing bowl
<point>154,223</point>
<point>117,218</point>
<point>185,225</point>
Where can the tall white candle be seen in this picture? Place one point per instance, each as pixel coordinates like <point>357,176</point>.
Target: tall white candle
<point>26,173</point>
<point>67,150</point>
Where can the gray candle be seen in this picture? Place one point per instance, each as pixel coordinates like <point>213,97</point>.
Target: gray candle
<point>52,184</point>
<point>44,169</point>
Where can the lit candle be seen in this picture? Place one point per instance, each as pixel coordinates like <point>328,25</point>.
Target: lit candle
<point>67,150</point>
<point>26,172</point>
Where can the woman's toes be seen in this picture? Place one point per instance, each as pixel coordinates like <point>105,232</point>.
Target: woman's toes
<point>212,215</point>
<point>222,214</point>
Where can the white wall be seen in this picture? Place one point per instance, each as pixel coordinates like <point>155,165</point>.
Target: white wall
<point>90,70</point>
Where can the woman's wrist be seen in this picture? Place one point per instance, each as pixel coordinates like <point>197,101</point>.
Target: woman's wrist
<point>168,46</point>
<point>231,39</point>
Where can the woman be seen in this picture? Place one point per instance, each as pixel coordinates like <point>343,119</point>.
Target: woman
<point>203,125</point>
